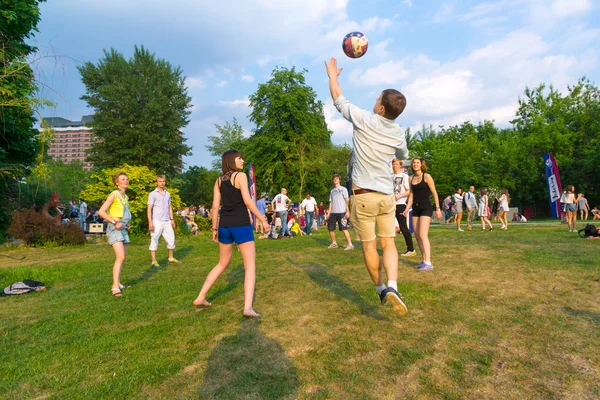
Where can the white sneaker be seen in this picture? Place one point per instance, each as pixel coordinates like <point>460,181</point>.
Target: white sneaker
<point>349,247</point>
<point>333,246</point>
<point>409,254</point>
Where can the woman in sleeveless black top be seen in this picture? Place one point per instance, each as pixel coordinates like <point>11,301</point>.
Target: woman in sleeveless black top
<point>421,188</point>
<point>231,226</point>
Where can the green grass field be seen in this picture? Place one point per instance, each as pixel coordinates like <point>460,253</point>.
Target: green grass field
<point>505,315</point>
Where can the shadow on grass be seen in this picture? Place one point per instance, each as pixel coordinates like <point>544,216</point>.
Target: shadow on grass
<point>249,365</point>
<point>589,316</point>
<point>318,274</point>
<point>235,277</point>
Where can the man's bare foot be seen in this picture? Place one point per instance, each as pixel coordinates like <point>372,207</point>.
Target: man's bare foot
<point>251,313</point>
<point>201,302</point>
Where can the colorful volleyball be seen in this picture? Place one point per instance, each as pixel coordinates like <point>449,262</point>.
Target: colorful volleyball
<point>355,44</point>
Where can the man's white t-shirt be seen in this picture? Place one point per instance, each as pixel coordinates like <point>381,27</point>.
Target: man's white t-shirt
<point>401,185</point>
<point>309,204</point>
<point>281,201</point>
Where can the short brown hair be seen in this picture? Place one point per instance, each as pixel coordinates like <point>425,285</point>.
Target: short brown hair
<point>394,103</point>
<point>116,176</point>
<point>228,161</point>
<point>160,177</point>
<point>336,176</point>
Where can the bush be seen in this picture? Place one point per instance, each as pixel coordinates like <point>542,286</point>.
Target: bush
<point>36,230</point>
<point>204,224</point>
<point>141,182</point>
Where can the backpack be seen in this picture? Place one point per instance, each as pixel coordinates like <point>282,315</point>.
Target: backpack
<point>23,287</point>
<point>589,230</point>
<point>464,201</point>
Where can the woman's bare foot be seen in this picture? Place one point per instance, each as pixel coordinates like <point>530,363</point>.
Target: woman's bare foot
<point>201,302</point>
<point>248,312</point>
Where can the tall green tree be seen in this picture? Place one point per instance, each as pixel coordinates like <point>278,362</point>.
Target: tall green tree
<point>18,143</point>
<point>141,106</point>
<point>287,145</point>
<point>197,185</point>
<point>230,136</point>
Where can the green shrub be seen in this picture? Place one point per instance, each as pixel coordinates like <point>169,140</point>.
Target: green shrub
<point>36,230</point>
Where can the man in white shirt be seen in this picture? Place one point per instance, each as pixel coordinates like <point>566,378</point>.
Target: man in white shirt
<point>471,207</point>
<point>160,221</point>
<point>307,208</point>
<point>376,140</point>
<point>401,192</point>
<point>281,202</point>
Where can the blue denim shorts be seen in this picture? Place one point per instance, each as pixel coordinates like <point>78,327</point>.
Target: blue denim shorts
<point>114,235</point>
<point>237,234</point>
<point>571,207</point>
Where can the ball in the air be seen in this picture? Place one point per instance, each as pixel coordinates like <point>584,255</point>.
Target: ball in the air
<point>355,44</point>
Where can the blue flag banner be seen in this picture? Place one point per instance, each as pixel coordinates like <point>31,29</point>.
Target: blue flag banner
<point>554,186</point>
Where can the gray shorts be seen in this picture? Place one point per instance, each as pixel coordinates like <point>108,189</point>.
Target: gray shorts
<point>114,235</point>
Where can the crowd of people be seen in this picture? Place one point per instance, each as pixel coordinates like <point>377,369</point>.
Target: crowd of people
<point>377,204</point>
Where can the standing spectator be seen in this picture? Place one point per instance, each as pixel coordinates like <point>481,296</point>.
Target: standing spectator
<point>160,221</point>
<point>422,188</point>
<point>484,210</point>
<point>321,214</point>
<point>447,204</point>
<point>504,201</point>
<point>233,226</point>
<point>571,208</point>
<point>281,208</point>
<point>83,213</point>
<point>261,205</point>
<point>115,211</point>
<point>73,210</point>
<point>458,202</point>
<point>307,208</point>
<point>401,192</point>
<point>583,206</point>
<point>339,212</point>
<point>202,211</point>
<point>471,207</point>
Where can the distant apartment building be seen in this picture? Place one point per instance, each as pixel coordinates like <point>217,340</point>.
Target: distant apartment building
<point>71,139</point>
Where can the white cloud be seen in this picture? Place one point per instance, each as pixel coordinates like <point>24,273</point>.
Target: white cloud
<point>243,102</point>
<point>386,73</point>
<point>566,8</point>
<point>442,94</point>
<point>380,49</point>
<point>342,129</point>
<point>248,78</point>
<point>407,3</point>
<point>223,83</point>
<point>194,82</point>
<point>444,13</point>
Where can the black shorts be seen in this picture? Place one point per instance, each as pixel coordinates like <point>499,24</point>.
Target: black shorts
<point>341,220</point>
<point>422,210</point>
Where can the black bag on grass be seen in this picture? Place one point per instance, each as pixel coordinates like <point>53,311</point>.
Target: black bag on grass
<point>589,230</point>
<point>23,287</point>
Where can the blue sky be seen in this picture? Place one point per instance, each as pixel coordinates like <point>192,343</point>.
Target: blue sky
<point>454,60</point>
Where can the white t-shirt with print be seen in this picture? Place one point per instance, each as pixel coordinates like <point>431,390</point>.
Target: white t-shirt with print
<point>281,201</point>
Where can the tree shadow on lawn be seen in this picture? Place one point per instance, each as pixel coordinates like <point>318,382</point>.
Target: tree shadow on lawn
<point>589,316</point>
<point>249,365</point>
<point>149,273</point>
<point>318,274</point>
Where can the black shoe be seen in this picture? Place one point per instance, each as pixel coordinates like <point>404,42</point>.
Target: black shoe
<point>382,296</point>
<point>394,298</point>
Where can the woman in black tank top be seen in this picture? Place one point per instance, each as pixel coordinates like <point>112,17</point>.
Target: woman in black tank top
<point>233,225</point>
<point>422,188</point>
